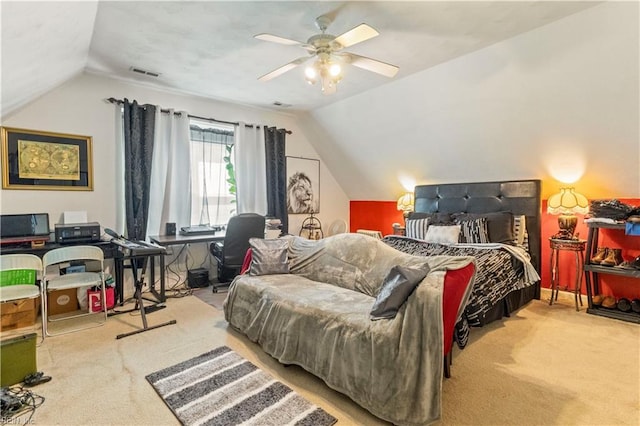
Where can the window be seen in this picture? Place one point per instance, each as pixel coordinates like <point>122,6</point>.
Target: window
<point>213,198</point>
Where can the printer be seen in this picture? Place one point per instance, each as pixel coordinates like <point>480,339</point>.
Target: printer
<point>77,232</point>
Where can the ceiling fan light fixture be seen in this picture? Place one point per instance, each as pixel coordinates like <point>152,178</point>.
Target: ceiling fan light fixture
<point>335,70</point>
<point>328,86</point>
<point>311,74</point>
<point>326,50</point>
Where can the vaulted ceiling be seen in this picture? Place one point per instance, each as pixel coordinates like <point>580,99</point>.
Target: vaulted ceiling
<point>207,48</point>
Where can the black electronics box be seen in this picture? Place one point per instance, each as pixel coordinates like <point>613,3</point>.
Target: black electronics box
<point>197,278</point>
<point>77,232</point>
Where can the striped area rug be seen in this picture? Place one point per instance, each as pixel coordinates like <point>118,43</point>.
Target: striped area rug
<point>222,388</point>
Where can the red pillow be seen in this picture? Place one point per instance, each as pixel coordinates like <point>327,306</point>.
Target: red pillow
<point>246,263</point>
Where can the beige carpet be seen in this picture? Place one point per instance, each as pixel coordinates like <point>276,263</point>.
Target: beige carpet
<point>545,365</point>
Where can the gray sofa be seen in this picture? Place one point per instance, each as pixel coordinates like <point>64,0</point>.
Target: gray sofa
<point>317,317</point>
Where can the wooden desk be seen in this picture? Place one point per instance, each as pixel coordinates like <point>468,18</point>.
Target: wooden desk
<point>179,239</point>
<point>108,249</point>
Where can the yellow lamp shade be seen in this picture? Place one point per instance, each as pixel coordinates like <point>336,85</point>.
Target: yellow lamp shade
<point>566,203</point>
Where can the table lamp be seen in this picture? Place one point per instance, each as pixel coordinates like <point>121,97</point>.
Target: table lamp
<point>565,204</point>
<point>405,204</point>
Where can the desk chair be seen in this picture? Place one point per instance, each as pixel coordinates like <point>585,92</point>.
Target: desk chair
<point>53,281</point>
<point>230,253</point>
<point>18,275</point>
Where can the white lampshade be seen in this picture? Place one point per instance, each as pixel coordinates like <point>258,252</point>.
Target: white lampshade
<point>567,201</point>
<point>405,202</point>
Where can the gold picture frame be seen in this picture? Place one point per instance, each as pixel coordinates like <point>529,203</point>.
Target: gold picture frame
<point>33,159</point>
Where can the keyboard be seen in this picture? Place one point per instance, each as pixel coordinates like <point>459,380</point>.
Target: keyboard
<point>138,248</point>
<point>198,230</point>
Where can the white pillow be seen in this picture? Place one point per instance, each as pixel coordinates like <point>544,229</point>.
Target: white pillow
<point>443,234</point>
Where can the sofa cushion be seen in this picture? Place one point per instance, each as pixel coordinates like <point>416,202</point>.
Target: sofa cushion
<point>395,290</point>
<point>268,256</point>
<point>352,261</point>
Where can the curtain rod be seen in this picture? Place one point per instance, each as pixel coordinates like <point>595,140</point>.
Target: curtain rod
<point>235,123</point>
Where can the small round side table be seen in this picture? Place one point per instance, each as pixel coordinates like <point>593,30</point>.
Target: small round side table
<point>576,246</point>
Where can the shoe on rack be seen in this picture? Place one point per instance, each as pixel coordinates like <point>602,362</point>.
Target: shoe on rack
<point>600,255</point>
<point>609,302</point>
<point>597,299</point>
<point>614,258</point>
<point>624,304</point>
<point>625,265</point>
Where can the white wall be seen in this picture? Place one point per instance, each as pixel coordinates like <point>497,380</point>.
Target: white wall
<point>561,99</point>
<point>79,107</point>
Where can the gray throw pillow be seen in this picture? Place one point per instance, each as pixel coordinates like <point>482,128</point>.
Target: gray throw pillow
<point>396,289</point>
<point>499,225</point>
<point>269,256</point>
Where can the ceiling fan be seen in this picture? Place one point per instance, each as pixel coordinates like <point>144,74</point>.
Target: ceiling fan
<point>329,56</point>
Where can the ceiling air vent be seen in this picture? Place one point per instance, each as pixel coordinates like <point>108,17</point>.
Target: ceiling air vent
<point>144,72</point>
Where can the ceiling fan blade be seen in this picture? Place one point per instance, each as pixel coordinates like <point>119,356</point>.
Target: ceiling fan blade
<point>372,65</point>
<point>275,39</point>
<point>278,71</point>
<point>356,35</point>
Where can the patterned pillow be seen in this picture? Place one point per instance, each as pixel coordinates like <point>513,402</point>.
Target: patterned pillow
<point>499,225</point>
<point>521,237</point>
<point>417,228</point>
<point>443,234</point>
<point>474,231</point>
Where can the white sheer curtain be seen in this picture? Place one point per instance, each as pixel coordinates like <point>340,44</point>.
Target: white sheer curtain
<point>121,214</point>
<point>251,180</point>
<point>170,198</point>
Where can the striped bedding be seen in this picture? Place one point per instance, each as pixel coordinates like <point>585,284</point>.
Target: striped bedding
<point>498,273</point>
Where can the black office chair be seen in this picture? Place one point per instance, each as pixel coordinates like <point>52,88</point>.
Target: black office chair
<point>230,252</point>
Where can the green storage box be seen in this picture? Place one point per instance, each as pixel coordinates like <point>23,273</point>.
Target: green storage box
<point>17,359</point>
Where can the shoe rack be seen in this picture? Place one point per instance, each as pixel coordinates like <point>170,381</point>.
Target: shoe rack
<point>593,272</point>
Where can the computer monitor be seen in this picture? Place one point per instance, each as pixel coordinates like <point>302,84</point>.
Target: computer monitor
<point>32,226</point>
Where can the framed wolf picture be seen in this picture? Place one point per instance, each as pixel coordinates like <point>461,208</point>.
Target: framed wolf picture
<point>303,185</point>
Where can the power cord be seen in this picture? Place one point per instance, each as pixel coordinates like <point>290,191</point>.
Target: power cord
<point>15,402</point>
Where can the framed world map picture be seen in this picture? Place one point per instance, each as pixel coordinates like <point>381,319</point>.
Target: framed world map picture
<point>34,159</point>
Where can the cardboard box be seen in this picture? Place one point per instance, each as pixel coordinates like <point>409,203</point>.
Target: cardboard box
<point>18,313</point>
<point>62,301</point>
<point>17,359</point>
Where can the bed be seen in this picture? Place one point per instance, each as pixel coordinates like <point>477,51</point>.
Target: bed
<point>501,287</point>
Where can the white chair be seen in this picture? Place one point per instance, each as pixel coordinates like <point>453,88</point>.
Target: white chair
<point>374,234</point>
<point>54,281</point>
<point>26,288</point>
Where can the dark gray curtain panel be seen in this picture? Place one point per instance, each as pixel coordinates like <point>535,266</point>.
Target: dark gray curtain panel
<point>274,140</point>
<point>139,122</point>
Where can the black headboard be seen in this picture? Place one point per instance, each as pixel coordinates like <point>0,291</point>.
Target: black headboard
<point>521,197</point>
